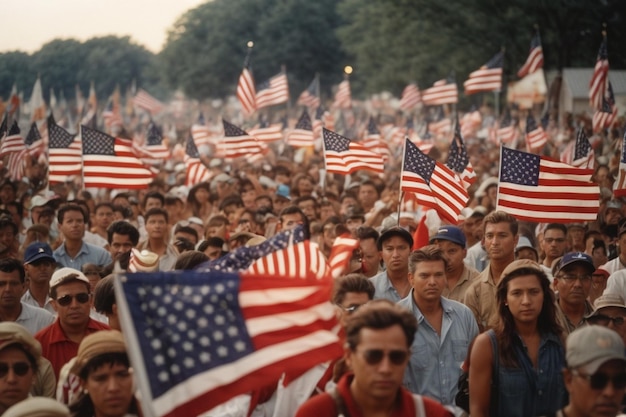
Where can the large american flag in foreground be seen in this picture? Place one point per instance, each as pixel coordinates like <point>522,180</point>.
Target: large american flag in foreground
<point>65,153</point>
<point>196,340</point>
<point>110,162</point>
<point>538,189</point>
<point>435,185</point>
<point>343,156</point>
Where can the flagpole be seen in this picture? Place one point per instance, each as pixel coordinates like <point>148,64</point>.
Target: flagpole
<point>401,190</point>
<point>82,157</point>
<point>498,193</point>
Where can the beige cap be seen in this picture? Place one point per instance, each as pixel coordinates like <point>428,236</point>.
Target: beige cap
<point>607,300</point>
<point>592,346</point>
<point>63,275</point>
<point>12,333</point>
<point>95,344</point>
<point>143,261</point>
<point>37,407</point>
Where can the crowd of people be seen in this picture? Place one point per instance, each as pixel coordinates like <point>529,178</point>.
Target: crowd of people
<point>487,317</point>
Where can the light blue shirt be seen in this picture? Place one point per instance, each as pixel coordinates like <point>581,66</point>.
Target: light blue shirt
<point>384,288</point>
<point>435,364</point>
<point>88,254</point>
<point>34,318</point>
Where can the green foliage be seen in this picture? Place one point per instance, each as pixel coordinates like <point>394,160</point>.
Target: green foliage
<point>15,68</point>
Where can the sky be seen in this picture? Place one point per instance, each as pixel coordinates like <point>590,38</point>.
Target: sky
<point>29,24</point>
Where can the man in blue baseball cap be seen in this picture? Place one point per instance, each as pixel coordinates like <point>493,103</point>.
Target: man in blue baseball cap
<point>39,264</point>
<point>451,240</point>
<point>572,283</point>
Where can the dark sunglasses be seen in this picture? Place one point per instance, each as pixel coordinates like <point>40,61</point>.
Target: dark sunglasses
<point>603,320</point>
<point>350,309</point>
<point>19,368</point>
<point>66,300</point>
<point>599,381</point>
<point>375,356</point>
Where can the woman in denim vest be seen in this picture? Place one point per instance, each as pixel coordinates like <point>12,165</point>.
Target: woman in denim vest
<point>515,369</point>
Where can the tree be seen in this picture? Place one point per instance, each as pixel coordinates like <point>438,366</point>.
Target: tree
<point>15,68</point>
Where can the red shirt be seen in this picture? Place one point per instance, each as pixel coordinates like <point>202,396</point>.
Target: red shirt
<point>57,348</point>
<point>324,405</point>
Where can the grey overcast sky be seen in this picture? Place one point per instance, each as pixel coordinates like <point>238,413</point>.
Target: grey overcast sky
<point>29,24</point>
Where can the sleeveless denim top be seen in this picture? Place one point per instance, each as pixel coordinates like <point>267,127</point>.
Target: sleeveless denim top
<point>526,391</point>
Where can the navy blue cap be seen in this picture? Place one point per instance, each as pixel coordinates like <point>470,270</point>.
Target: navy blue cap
<point>36,251</point>
<point>571,258</point>
<point>450,233</point>
<point>394,231</point>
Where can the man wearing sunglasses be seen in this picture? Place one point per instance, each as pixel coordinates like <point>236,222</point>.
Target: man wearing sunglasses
<point>595,376</point>
<point>378,340</point>
<point>610,311</point>
<point>71,298</point>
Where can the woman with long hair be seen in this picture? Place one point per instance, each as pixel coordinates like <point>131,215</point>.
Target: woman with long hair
<point>199,201</point>
<point>105,376</point>
<point>515,369</point>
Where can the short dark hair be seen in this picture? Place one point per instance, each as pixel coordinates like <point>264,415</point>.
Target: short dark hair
<point>230,200</point>
<point>6,220</point>
<point>380,314</point>
<point>122,227</point>
<point>103,204</point>
<point>556,226</point>
<point>156,212</point>
<point>215,241</point>
<point>190,259</point>
<point>153,194</point>
<point>70,207</point>
<point>104,295</point>
<point>8,265</point>
<point>352,283</point>
<point>366,232</point>
<point>426,254</point>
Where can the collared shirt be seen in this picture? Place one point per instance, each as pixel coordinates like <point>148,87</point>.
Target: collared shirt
<point>88,254</point>
<point>457,293</point>
<point>435,364</point>
<point>384,288</point>
<point>34,318</point>
<point>565,322</point>
<point>477,257</point>
<point>58,348</point>
<point>616,284</point>
<point>548,272</point>
<point>324,404</point>
<point>30,300</point>
<point>167,260</point>
<point>480,297</point>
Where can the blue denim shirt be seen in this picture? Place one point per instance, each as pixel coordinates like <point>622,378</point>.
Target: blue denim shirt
<point>435,364</point>
<point>384,288</point>
<point>520,396</point>
<point>87,254</point>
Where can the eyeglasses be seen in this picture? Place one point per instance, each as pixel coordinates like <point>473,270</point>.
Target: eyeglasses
<point>66,300</point>
<point>19,368</point>
<point>350,309</point>
<point>375,356</point>
<point>550,240</point>
<point>44,264</point>
<point>570,278</point>
<point>599,381</point>
<point>604,320</point>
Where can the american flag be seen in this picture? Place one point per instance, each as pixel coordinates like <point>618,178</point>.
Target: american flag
<point>458,160</point>
<point>605,117</point>
<point>340,255</point>
<point>154,147</point>
<point>374,142</point>
<point>486,78</point>
<point>200,132</point>
<point>302,259</point>
<point>435,185</point>
<point>246,92</point>
<point>442,125</point>
<point>619,187</point>
<point>90,117</point>
<point>584,156</point>
<point>471,122</point>
<point>145,101</point>
<point>267,133</point>
<point>343,156</point>
<point>109,162</point>
<point>65,153</point>
<point>4,127</point>
<point>197,172</point>
<point>442,92</point>
<point>343,96</point>
<point>536,138</point>
<point>13,142</point>
<point>196,340</point>
<point>535,57</point>
<point>538,189</point>
<point>322,119</point>
<point>236,143</point>
<point>37,104</point>
<point>410,98</point>
<point>598,82</point>
<point>504,131</point>
<point>302,135</point>
<point>34,141</point>
<point>13,105</point>
<point>273,91</point>
<point>310,96</point>
<point>241,258</point>
<point>112,116</point>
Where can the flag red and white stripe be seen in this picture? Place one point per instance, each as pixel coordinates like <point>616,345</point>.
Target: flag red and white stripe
<point>246,92</point>
<point>599,78</point>
<point>538,189</point>
<point>272,92</point>
<point>343,156</point>
<point>535,58</point>
<point>411,97</point>
<point>237,143</point>
<point>343,96</point>
<point>65,154</point>
<point>486,78</point>
<point>300,260</point>
<point>442,92</point>
<point>144,100</point>
<point>340,255</point>
<point>302,135</point>
<point>267,134</point>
